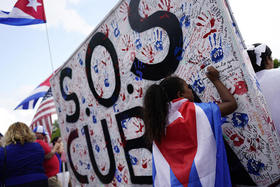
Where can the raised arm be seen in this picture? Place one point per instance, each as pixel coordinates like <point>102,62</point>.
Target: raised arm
<point>228,104</point>
<point>56,148</point>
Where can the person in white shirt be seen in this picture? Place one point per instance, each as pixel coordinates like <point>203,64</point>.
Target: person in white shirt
<point>268,78</point>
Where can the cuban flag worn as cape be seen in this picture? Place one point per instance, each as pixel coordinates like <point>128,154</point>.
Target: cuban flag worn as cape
<point>36,94</point>
<point>192,152</point>
<point>25,12</point>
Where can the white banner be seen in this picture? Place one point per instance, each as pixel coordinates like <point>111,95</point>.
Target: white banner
<point>99,90</point>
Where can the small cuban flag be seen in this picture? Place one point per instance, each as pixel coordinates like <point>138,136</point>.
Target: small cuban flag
<point>25,12</point>
<point>36,94</point>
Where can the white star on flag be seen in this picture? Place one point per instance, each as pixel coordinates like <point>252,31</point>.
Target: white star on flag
<point>34,4</point>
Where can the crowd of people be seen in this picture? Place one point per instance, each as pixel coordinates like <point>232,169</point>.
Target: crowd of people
<point>26,158</point>
<point>175,124</point>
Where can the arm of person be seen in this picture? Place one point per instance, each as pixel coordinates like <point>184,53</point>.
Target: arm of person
<point>50,154</point>
<point>228,104</point>
<point>55,149</point>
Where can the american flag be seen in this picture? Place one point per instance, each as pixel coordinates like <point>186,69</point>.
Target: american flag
<point>43,115</point>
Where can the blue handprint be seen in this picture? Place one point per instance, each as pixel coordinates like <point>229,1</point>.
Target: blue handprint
<point>116,29</point>
<point>119,179</point>
<point>198,85</point>
<point>158,38</point>
<point>217,53</point>
<point>258,84</point>
<point>181,49</point>
<point>97,148</point>
<point>254,167</point>
<point>240,119</point>
<point>83,99</point>
<point>83,131</point>
<point>80,59</point>
<point>185,20</point>
<point>106,80</point>
<point>94,119</point>
<point>177,50</point>
<point>123,123</point>
<point>116,149</point>
<point>133,160</point>
<point>87,166</point>
<point>95,68</point>
<point>115,109</point>
<point>138,42</point>
<point>140,74</point>
<point>185,6</point>
<point>138,68</point>
<point>182,7</point>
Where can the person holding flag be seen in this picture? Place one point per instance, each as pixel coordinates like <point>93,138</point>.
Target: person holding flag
<point>186,137</point>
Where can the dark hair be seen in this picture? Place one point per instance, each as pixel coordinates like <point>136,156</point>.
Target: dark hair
<point>196,99</point>
<point>156,105</point>
<point>264,55</point>
<point>54,140</point>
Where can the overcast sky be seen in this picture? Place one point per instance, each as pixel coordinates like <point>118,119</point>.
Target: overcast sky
<point>25,58</point>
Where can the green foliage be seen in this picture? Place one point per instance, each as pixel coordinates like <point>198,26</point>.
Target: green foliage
<point>276,63</point>
<point>55,130</point>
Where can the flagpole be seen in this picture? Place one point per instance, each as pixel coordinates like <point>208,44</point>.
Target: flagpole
<point>50,53</point>
<point>48,39</point>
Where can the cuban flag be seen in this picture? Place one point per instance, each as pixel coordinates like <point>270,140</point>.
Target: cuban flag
<point>36,94</point>
<point>25,12</point>
<point>192,151</point>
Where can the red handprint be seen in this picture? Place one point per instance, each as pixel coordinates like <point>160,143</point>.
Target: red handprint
<point>73,148</point>
<point>140,127</point>
<point>128,43</point>
<point>92,178</point>
<point>120,167</point>
<point>149,53</point>
<point>166,4</point>
<point>207,21</point>
<point>237,140</point>
<point>140,92</point>
<point>124,9</point>
<point>125,178</point>
<point>144,163</point>
<point>103,168</point>
<point>145,9</point>
<point>240,88</point>
<point>122,96</point>
<point>105,30</point>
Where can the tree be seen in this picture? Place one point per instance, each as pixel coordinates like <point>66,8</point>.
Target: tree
<point>276,63</point>
<point>55,130</point>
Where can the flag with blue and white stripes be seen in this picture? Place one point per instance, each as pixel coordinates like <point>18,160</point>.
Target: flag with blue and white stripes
<point>36,94</point>
<point>192,152</point>
<point>25,12</point>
